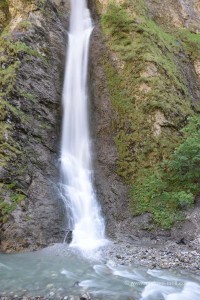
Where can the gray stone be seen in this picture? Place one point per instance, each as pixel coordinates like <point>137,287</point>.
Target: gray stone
<point>37,93</point>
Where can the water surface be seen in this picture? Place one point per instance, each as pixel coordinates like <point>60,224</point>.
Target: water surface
<point>60,271</point>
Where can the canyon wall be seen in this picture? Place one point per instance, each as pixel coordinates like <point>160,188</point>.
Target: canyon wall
<point>32,48</point>
<point>144,84</point>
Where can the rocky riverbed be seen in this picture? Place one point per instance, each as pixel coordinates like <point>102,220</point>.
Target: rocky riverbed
<point>156,255</point>
<point>122,271</point>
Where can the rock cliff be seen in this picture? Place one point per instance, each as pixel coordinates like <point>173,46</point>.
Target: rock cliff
<point>144,85</point>
<point>32,55</point>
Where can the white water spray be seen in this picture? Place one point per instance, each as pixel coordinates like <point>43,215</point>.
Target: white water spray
<point>79,196</point>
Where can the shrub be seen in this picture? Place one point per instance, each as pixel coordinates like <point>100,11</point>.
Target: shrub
<point>172,187</point>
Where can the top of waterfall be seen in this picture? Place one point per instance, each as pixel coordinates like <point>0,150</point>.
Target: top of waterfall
<point>80,16</point>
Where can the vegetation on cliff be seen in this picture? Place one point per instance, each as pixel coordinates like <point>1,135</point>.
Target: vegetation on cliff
<point>12,52</point>
<point>32,45</point>
<point>152,101</point>
<point>25,104</point>
<point>171,187</point>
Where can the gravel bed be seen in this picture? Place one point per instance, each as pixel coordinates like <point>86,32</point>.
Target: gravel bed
<point>168,255</point>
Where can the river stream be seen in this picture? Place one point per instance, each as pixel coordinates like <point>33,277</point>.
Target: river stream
<point>60,271</point>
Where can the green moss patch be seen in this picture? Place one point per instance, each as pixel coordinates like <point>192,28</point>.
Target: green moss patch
<point>12,52</point>
<point>151,102</point>
<point>169,189</point>
<point>9,205</point>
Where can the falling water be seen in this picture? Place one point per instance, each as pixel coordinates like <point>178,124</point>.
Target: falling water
<point>77,189</point>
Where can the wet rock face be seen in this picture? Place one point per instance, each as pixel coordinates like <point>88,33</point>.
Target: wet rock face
<point>34,114</point>
<point>31,116</point>
<point>180,13</point>
<point>111,191</point>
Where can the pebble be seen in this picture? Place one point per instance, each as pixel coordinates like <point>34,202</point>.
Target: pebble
<point>85,296</point>
<point>51,294</point>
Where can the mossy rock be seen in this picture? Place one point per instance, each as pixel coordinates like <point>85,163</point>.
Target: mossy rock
<point>149,95</point>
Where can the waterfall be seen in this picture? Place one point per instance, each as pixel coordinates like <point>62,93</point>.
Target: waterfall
<point>84,215</point>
